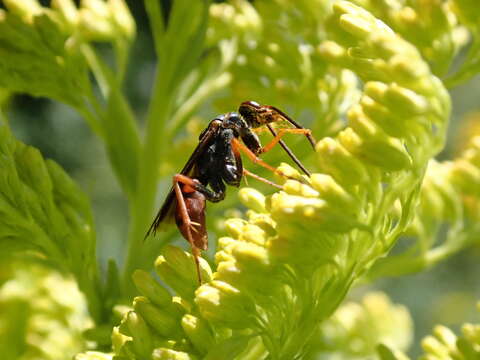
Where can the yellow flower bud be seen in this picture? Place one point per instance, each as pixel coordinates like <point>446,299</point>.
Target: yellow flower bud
<point>294,187</point>
<point>142,339</point>
<point>118,339</point>
<point>221,303</point>
<point>434,347</point>
<point>385,152</point>
<point>309,214</point>
<point>253,234</point>
<point>235,227</point>
<point>183,263</point>
<point>185,288</point>
<point>290,172</point>
<point>122,17</point>
<point>25,9</point>
<point>252,199</point>
<point>445,335</point>
<point>94,355</point>
<point>224,243</point>
<point>198,332</point>
<point>250,255</point>
<point>263,221</point>
<point>466,177</point>
<point>330,191</point>
<point>169,354</point>
<point>95,20</point>
<point>68,11</point>
<point>161,320</point>
<point>335,160</point>
<point>151,288</point>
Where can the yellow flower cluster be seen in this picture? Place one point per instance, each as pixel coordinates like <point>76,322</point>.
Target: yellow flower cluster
<point>41,46</point>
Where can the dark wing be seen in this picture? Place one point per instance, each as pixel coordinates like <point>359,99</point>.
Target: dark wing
<point>166,212</point>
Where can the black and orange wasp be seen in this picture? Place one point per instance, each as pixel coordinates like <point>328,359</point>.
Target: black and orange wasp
<point>216,162</point>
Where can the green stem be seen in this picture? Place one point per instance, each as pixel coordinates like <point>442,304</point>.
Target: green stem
<point>143,203</point>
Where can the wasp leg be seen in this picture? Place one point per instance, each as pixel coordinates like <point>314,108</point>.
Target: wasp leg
<point>281,133</point>
<point>259,178</point>
<point>195,185</point>
<point>288,151</point>
<point>182,209</point>
<point>280,115</point>
<point>238,146</point>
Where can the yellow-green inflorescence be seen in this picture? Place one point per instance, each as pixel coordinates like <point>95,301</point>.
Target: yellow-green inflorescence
<point>286,267</point>
<point>449,199</point>
<point>42,314</point>
<point>41,47</point>
<point>443,343</point>
<point>355,329</point>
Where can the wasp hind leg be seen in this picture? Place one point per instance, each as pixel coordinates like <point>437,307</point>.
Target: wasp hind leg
<point>187,225</point>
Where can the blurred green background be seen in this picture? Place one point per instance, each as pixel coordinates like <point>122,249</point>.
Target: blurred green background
<point>445,294</point>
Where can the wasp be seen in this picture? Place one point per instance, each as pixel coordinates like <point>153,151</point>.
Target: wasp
<point>216,162</point>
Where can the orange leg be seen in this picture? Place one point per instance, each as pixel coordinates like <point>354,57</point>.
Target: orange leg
<point>259,178</point>
<point>280,134</point>
<point>288,151</point>
<point>239,146</point>
<point>190,183</point>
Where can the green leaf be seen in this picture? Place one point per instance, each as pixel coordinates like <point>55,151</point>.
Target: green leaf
<point>45,214</point>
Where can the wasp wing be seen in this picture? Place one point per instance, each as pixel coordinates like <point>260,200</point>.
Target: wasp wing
<point>166,214</point>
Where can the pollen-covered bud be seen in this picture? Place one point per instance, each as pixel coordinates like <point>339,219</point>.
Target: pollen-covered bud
<point>252,199</point>
<point>150,288</point>
<point>198,332</point>
<point>221,303</point>
<point>335,160</point>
